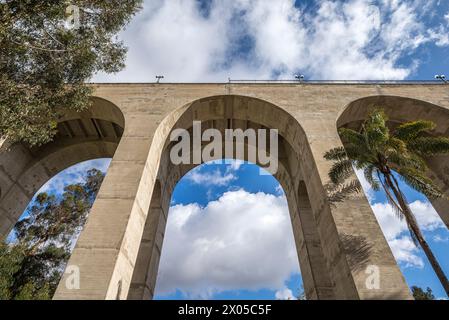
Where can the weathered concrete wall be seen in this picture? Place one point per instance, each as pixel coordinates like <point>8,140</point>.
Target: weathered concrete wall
<point>335,244</point>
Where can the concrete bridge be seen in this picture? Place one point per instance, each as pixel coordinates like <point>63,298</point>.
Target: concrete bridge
<point>118,251</point>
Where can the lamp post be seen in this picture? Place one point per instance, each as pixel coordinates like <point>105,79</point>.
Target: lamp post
<point>441,77</point>
<point>299,77</point>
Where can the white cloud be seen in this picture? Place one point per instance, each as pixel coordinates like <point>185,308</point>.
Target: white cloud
<point>214,178</point>
<point>393,228</point>
<point>235,164</point>
<point>440,238</point>
<point>439,36</point>
<point>428,218</point>
<point>72,175</point>
<point>391,225</point>
<point>405,252</point>
<point>446,17</point>
<point>202,176</point>
<point>240,241</point>
<point>284,294</point>
<point>396,231</point>
<point>338,40</point>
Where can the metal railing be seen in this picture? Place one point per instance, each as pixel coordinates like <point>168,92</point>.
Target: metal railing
<point>297,81</point>
<point>338,81</point>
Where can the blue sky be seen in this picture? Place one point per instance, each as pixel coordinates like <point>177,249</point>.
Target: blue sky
<point>201,41</point>
<point>241,219</point>
<point>218,244</point>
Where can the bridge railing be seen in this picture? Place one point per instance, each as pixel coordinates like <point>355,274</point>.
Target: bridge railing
<point>339,81</point>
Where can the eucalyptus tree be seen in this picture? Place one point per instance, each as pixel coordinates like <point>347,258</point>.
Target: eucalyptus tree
<point>48,51</point>
<point>32,262</point>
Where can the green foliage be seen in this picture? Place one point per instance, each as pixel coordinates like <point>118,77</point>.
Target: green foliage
<point>411,130</point>
<point>378,151</point>
<point>30,292</point>
<point>420,294</point>
<point>31,267</point>
<point>44,64</point>
<point>382,154</point>
<point>429,146</point>
<point>11,258</point>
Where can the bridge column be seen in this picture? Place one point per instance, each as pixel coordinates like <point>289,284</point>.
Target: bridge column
<point>315,273</point>
<point>355,249</point>
<point>439,173</point>
<point>145,273</point>
<point>14,196</point>
<point>147,265</point>
<point>441,206</point>
<point>105,255</point>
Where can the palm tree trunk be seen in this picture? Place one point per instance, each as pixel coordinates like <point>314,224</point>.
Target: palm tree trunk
<point>435,265</point>
<point>413,225</point>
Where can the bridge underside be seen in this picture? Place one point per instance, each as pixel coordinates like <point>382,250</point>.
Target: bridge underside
<point>24,170</point>
<point>119,249</point>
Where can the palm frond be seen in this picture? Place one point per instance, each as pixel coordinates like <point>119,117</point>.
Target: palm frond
<point>406,160</point>
<point>359,153</point>
<point>349,136</point>
<point>420,183</point>
<point>377,117</point>
<point>430,146</point>
<point>336,154</point>
<point>390,198</point>
<point>375,128</point>
<point>375,151</point>
<point>411,130</point>
<point>396,144</point>
<point>340,171</point>
<point>339,192</point>
<point>369,172</point>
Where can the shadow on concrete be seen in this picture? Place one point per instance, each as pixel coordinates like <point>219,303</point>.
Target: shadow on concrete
<point>358,249</point>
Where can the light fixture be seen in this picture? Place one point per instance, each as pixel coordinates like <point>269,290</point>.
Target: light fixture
<point>299,77</point>
<point>159,78</point>
<point>441,77</point>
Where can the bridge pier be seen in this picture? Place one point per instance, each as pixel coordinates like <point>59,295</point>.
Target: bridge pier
<point>342,251</point>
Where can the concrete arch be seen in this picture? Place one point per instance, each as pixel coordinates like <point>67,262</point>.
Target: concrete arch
<point>403,109</point>
<point>218,112</point>
<point>322,249</point>
<point>335,245</point>
<point>91,134</point>
<point>100,109</point>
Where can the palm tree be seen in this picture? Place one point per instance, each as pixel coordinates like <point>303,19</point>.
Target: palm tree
<point>384,155</point>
